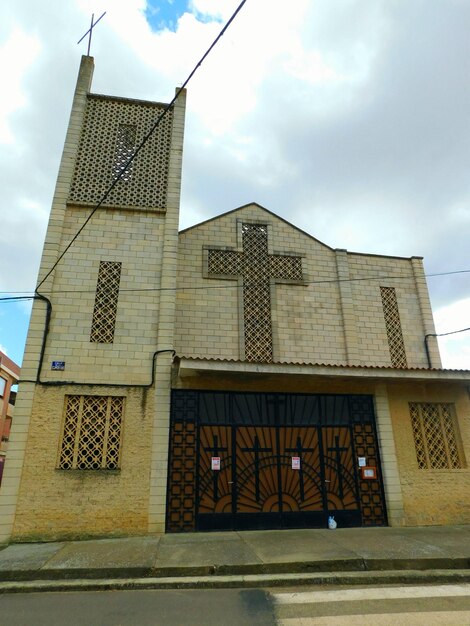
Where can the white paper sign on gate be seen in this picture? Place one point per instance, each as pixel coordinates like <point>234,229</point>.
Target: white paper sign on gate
<point>296,462</point>
<point>215,463</point>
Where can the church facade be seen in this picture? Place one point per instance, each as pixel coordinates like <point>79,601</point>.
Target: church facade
<point>239,374</point>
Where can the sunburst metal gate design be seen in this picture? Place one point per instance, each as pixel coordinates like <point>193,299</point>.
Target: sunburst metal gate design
<point>258,438</point>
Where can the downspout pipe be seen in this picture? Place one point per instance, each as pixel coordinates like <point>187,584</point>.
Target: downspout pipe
<point>61,383</point>
<point>426,346</point>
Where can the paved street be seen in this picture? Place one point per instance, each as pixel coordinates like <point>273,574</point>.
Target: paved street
<point>432,605</point>
<point>224,607</point>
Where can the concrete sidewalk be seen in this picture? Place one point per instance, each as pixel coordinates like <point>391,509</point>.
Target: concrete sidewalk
<point>268,555</point>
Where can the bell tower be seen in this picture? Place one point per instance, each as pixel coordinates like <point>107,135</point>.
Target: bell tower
<point>93,406</point>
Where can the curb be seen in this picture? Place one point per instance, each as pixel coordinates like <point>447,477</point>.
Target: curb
<point>396,577</point>
<point>373,566</point>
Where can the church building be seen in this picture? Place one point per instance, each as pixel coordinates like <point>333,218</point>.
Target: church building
<point>239,374</point>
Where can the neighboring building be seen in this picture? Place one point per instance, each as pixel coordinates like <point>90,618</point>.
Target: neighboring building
<point>239,374</point>
<point>9,376</point>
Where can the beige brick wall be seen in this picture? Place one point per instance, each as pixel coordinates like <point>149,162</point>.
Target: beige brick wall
<point>336,318</point>
<point>431,496</point>
<point>307,321</point>
<point>386,272</point>
<point>135,240</point>
<point>55,503</point>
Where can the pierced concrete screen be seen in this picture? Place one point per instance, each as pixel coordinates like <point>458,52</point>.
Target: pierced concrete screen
<point>91,436</point>
<point>112,128</point>
<point>257,268</point>
<point>435,436</point>
<point>106,299</point>
<point>393,325</point>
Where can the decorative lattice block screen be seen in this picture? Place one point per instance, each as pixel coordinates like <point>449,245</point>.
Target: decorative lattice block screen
<point>435,436</point>
<point>106,299</point>
<point>112,129</point>
<point>393,325</point>
<point>257,268</point>
<point>91,437</point>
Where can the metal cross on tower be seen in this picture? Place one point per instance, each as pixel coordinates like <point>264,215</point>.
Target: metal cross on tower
<point>90,30</point>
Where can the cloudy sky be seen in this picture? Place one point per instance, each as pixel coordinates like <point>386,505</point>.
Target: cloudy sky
<point>349,118</point>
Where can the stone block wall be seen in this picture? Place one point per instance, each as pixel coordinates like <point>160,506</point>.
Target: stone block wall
<point>432,496</point>
<point>136,241</point>
<point>335,317</point>
<point>57,503</point>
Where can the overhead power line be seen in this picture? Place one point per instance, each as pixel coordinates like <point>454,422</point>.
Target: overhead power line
<point>227,286</point>
<point>452,332</point>
<point>142,143</point>
<point>33,297</point>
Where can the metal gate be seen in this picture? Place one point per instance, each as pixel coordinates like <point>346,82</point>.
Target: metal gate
<point>253,461</point>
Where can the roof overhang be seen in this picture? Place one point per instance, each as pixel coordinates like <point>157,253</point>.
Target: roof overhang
<point>191,367</point>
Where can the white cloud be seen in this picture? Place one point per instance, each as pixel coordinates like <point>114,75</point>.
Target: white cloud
<point>16,56</point>
<point>455,349</point>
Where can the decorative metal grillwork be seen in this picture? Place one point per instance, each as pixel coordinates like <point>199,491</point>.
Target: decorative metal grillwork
<point>370,491</point>
<point>434,435</point>
<point>106,299</point>
<point>255,436</point>
<point>125,147</point>
<point>111,122</point>
<point>257,268</point>
<point>393,325</point>
<point>91,437</point>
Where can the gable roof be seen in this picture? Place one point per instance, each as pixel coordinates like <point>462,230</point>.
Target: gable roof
<point>303,232</point>
<point>270,213</point>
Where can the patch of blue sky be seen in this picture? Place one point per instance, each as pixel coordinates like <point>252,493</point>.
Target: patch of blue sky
<point>164,14</point>
<point>14,322</point>
<point>161,14</point>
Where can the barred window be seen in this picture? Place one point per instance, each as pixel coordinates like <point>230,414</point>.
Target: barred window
<point>435,436</point>
<point>106,299</point>
<point>91,434</point>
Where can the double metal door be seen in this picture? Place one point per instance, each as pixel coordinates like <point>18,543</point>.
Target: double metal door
<point>272,460</point>
<point>276,477</point>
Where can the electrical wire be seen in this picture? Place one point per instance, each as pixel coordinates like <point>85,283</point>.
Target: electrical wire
<point>452,332</point>
<point>227,286</point>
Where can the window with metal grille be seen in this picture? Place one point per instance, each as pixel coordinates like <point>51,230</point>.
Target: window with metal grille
<point>393,326</point>
<point>91,434</point>
<point>435,436</point>
<point>106,299</point>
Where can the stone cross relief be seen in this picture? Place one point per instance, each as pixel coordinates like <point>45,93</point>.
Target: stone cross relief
<point>257,270</point>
